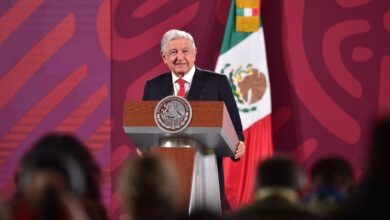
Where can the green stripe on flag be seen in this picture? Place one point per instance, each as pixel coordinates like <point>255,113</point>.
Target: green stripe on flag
<point>239,12</point>
<point>231,37</point>
<point>247,12</point>
<point>243,61</point>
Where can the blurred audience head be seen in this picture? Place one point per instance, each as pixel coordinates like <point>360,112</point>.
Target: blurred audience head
<point>149,188</point>
<point>332,172</point>
<point>63,160</point>
<point>279,182</point>
<point>331,182</point>
<point>280,172</point>
<point>57,178</point>
<point>370,200</point>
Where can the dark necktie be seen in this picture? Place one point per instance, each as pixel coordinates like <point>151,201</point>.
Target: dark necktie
<point>182,90</point>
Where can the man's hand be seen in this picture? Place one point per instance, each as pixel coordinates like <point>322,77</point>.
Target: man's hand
<point>143,152</point>
<point>140,153</point>
<point>240,150</point>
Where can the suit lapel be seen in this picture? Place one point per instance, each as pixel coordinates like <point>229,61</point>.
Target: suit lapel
<point>167,86</point>
<point>197,85</point>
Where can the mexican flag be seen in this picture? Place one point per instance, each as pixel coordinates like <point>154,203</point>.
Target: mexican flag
<point>243,60</point>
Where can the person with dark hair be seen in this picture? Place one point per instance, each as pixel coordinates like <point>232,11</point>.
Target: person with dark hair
<point>149,189</point>
<point>279,181</point>
<point>68,155</point>
<point>57,179</point>
<point>331,182</point>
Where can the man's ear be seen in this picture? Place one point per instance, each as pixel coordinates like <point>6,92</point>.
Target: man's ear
<point>195,53</point>
<point>163,57</point>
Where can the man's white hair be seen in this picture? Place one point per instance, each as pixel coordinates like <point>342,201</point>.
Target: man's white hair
<point>174,34</point>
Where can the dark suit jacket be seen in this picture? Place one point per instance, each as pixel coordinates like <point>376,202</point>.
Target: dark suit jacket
<point>206,86</point>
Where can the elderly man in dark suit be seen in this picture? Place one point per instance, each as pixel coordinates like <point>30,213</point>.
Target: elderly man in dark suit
<point>178,51</point>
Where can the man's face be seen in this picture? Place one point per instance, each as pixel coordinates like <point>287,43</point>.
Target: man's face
<point>179,56</point>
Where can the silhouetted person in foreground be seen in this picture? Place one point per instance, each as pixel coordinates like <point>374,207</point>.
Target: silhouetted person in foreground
<point>201,215</point>
<point>149,188</point>
<point>373,194</point>
<point>331,184</point>
<point>4,215</point>
<point>279,181</point>
<point>57,179</point>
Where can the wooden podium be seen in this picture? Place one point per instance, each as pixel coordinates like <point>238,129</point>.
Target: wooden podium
<point>193,151</point>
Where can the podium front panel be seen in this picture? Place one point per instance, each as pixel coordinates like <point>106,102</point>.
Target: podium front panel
<point>210,126</point>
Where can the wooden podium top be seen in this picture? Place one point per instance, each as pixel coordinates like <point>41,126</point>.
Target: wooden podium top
<point>210,126</point>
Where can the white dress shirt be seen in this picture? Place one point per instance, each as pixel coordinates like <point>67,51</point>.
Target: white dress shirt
<point>187,77</point>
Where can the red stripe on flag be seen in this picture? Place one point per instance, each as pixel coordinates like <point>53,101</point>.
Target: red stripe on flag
<point>240,176</point>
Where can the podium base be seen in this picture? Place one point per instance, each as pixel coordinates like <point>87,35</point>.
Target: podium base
<point>205,192</point>
<point>198,170</point>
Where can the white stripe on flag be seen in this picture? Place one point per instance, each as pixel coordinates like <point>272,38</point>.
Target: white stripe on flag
<point>242,54</point>
<point>247,12</point>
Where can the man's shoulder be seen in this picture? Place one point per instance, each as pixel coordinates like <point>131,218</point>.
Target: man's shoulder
<point>160,78</point>
<point>206,74</point>
<point>210,74</point>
